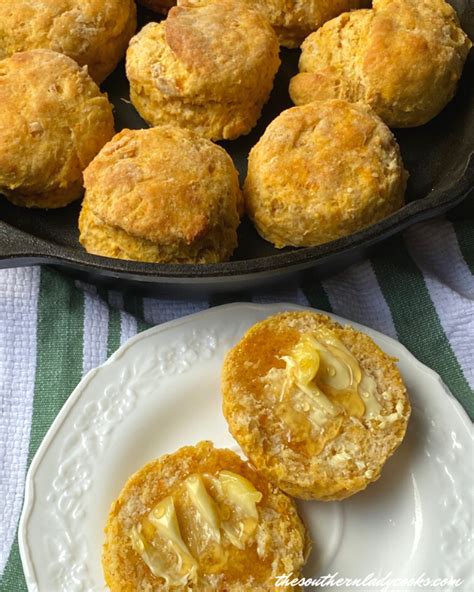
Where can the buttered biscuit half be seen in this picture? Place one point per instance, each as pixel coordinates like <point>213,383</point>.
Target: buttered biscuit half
<point>201,519</point>
<point>317,407</point>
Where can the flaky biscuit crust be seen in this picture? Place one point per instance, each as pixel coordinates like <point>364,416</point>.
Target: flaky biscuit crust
<point>293,20</point>
<point>53,121</point>
<point>206,67</point>
<point>323,171</point>
<point>348,463</point>
<point>91,32</point>
<point>404,58</point>
<point>287,546</point>
<point>162,194</point>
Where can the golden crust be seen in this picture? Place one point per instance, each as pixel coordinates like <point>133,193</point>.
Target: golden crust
<point>162,194</point>
<point>346,464</point>
<point>53,121</point>
<point>323,171</point>
<point>294,20</point>
<point>404,58</point>
<point>208,67</point>
<point>284,551</point>
<point>91,32</point>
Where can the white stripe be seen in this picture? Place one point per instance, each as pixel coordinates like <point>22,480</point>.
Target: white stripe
<point>96,328</point>
<point>356,295</point>
<point>128,326</point>
<point>19,289</point>
<point>157,311</point>
<point>436,246</point>
<point>450,284</point>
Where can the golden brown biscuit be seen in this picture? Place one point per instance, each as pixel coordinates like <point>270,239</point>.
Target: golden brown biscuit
<point>162,195</point>
<point>201,519</point>
<point>323,171</point>
<point>404,58</point>
<point>294,20</point>
<point>160,6</point>
<point>53,121</point>
<point>208,68</point>
<point>91,32</point>
<point>316,407</point>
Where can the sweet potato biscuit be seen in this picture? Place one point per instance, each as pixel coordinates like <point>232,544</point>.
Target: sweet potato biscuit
<point>323,171</point>
<point>209,68</point>
<point>404,58</point>
<point>201,519</point>
<point>163,195</point>
<point>294,20</point>
<point>316,407</point>
<point>160,6</point>
<point>53,121</point>
<point>91,32</point>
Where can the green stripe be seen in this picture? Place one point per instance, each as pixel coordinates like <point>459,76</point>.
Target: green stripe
<point>465,235</point>
<point>316,294</point>
<point>60,328</point>
<point>134,306</point>
<point>416,320</point>
<point>113,338</point>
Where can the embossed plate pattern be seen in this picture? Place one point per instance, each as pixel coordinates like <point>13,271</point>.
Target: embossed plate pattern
<point>161,391</point>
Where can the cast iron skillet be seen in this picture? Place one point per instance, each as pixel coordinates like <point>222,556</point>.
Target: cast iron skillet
<point>439,157</point>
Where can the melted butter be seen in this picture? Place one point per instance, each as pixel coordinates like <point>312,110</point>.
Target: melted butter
<point>163,518</point>
<point>205,507</point>
<point>159,542</point>
<point>328,381</point>
<point>368,389</point>
<point>240,506</point>
<point>150,556</point>
<point>241,493</point>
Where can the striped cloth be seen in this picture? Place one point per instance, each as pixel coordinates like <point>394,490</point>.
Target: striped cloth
<point>418,288</point>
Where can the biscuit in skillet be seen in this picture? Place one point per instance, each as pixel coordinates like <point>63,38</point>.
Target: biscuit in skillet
<point>53,121</point>
<point>91,32</point>
<point>404,58</point>
<point>316,407</point>
<point>294,20</point>
<point>161,195</point>
<point>201,519</point>
<point>323,171</point>
<point>208,68</point>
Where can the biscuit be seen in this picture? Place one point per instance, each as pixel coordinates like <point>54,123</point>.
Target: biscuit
<point>201,519</point>
<point>404,58</point>
<point>53,121</point>
<point>316,407</point>
<point>208,68</point>
<point>162,195</point>
<point>323,171</point>
<point>91,32</point>
<point>294,20</point>
<point>160,6</point>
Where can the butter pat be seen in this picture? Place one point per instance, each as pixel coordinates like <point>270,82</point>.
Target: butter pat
<point>205,506</point>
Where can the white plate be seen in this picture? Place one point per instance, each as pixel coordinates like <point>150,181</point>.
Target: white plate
<point>161,391</point>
